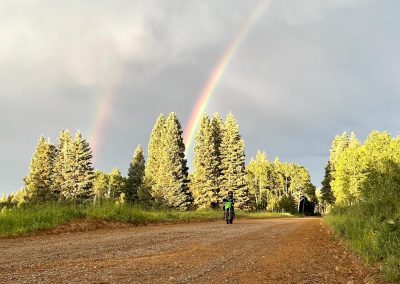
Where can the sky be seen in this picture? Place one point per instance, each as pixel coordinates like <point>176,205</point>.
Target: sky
<point>304,72</point>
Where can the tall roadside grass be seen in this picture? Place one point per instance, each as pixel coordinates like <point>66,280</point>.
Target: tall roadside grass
<point>373,231</point>
<point>28,219</point>
<point>17,221</point>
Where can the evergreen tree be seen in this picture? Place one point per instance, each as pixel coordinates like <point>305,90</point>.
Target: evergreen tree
<point>136,174</point>
<point>327,197</point>
<point>173,171</point>
<point>233,163</point>
<point>155,152</point>
<point>204,182</point>
<point>83,171</point>
<point>217,126</point>
<point>39,180</point>
<point>73,172</point>
<point>63,164</point>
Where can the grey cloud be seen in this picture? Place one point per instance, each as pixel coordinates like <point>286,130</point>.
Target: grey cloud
<point>305,72</point>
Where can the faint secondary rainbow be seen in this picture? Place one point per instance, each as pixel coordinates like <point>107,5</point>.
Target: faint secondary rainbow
<point>217,73</point>
<point>103,111</point>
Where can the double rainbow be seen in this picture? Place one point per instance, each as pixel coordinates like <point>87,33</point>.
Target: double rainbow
<point>105,102</point>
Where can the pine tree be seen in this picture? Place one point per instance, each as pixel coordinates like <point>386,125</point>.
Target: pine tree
<point>204,182</point>
<point>39,180</point>
<point>217,126</point>
<point>173,171</point>
<point>233,163</point>
<point>155,152</point>
<point>73,172</point>
<point>83,171</point>
<point>63,164</point>
<point>136,173</point>
<point>327,196</point>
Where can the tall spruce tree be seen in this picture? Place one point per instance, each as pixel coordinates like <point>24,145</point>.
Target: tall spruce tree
<point>83,171</point>
<point>217,126</point>
<point>73,172</point>
<point>173,171</point>
<point>155,152</point>
<point>63,165</point>
<point>136,172</point>
<point>327,197</point>
<point>204,182</point>
<point>39,180</point>
<point>233,163</point>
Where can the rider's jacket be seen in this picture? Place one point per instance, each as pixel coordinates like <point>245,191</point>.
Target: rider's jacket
<point>233,200</point>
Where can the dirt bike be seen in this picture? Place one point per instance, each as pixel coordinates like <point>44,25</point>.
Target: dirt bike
<point>229,214</point>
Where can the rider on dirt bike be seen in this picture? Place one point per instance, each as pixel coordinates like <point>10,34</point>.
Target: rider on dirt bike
<point>229,199</point>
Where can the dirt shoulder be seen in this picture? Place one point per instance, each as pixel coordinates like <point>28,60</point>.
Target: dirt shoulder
<point>284,250</point>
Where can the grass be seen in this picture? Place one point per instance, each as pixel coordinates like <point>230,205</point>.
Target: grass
<point>262,215</point>
<point>372,231</point>
<point>19,221</point>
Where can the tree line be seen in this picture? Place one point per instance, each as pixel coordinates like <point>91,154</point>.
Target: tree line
<point>64,172</point>
<point>362,173</point>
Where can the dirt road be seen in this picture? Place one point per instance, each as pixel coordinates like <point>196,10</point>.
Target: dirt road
<point>249,251</point>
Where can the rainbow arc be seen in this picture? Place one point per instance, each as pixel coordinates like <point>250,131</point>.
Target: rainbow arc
<point>217,73</point>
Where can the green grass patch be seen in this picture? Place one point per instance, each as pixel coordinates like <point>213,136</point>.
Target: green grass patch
<point>373,232</point>
<point>17,221</point>
<point>262,215</point>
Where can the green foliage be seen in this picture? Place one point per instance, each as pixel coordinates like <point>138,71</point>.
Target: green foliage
<point>65,173</point>
<point>338,146</point>
<point>136,172</point>
<point>116,184</point>
<point>260,180</point>
<point>39,180</point>
<point>108,185</point>
<point>368,172</point>
<point>367,192</point>
<point>172,180</point>
<point>204,181</point>
<point>63,166</point>
<point>233,171</point>
<point>278,186</point>
<point>23,220</point>
<point>82,171</point>
<point>101,185</point>
<point>373,231</point>
<point>326,198</point>
<point>154,159</point>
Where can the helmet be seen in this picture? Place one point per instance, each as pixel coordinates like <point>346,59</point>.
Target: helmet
<point>230,192</point>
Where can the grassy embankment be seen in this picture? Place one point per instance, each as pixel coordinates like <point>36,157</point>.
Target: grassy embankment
<point>25,220</point>
<point>373,232</point>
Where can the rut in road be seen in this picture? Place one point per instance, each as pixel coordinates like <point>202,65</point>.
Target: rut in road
<point>289,250</point>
